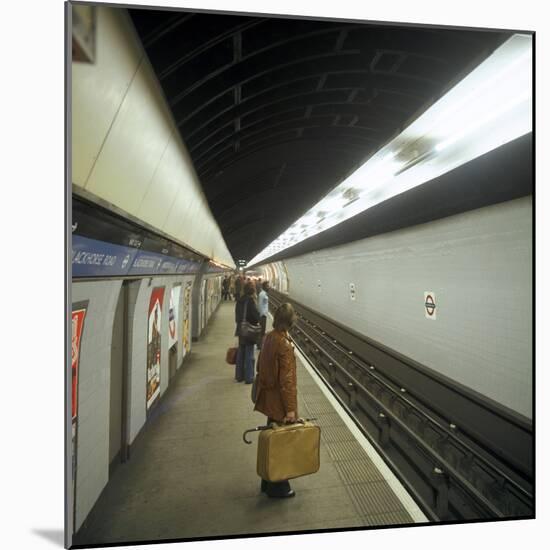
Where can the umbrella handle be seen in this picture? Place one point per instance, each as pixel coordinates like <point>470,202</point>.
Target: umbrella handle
<point>259,428</point>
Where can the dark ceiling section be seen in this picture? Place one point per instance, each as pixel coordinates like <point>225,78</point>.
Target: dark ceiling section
<point>276,112</point>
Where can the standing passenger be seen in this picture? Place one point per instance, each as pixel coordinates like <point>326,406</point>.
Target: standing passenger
<point>232,287</point>
<point>263,308</point>
<point>238,287</point>
<point>225,288</point>
<point>277,392</point>
<point>244,369</point>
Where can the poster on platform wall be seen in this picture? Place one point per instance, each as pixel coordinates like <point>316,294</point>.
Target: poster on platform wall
<point>187,318</point>
<point>202,311</point>
<point>173,314</point>
<point>209,295</point>
<point>218,290</point>
<point>153,345</point>
<point>77,326</point>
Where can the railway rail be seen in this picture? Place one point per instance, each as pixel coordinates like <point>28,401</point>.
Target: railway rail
<point>460,457</point>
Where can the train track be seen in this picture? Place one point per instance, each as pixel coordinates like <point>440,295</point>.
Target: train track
<point>459,458</point>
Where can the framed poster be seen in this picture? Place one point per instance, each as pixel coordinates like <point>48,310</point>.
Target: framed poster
<point>187,318</point>
<point>173,312</point>
<point>153,345</point>
<point>202,310</point>
<point>77,327</point>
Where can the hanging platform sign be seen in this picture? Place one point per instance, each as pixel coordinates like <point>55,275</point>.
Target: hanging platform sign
<point>430,307</point>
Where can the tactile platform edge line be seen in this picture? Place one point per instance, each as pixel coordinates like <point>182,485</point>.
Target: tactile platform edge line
<point>400,492</point>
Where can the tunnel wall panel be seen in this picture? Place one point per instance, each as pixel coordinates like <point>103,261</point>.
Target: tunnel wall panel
<point>275,274</point>
<point>94,392</point>
<point>207,301</point>
<point>126,150</point>
<point>98,91</point>
<point>133,148</point>
<point>479,266</point>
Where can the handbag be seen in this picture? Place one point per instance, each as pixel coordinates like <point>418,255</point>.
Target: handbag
<point>231,356</point>
<point>249,332</point>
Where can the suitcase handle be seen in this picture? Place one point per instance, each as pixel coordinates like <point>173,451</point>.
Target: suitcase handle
<point>299,421</point>
<point>261,428</point>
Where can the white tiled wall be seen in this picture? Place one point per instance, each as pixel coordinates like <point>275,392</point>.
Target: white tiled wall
<point>478,264</point>
<point>203,310</point>
<point>94,392</point>
<point>123,131</point>
<point>94,374</point>
<point>137,358</point>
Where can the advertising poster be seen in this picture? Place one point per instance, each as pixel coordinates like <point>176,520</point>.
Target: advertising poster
<point>153,345</point>
<point>209,296</point>
<point>187,318</point>
<point>77,325</point>
<point>173,314</point>
<point>202,311</point>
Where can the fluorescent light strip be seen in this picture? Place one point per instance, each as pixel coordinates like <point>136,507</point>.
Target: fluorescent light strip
<point>488,108</point>
<point>507,107</point>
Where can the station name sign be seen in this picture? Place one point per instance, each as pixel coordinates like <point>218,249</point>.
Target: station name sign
<point>94,258</point>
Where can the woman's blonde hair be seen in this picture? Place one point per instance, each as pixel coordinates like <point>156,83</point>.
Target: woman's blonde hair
<point>284,317</point>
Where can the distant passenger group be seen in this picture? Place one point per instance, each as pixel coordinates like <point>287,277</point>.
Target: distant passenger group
<point>233,286</point>
<point>252,307</point>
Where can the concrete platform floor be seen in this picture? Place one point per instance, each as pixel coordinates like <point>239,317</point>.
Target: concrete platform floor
<point>190,475</point>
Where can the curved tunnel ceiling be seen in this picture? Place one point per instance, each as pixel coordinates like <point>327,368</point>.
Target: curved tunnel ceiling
<point>276,112</point>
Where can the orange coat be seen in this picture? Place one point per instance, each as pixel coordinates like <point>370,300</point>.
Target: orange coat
<point>276,392</point>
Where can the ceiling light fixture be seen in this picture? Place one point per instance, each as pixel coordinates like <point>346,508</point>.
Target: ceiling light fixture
<point>490,107</point>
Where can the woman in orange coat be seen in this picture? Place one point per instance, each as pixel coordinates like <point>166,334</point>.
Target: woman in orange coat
<point>277,393</point>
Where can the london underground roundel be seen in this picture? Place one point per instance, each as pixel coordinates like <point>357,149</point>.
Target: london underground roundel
<point>430,307</point>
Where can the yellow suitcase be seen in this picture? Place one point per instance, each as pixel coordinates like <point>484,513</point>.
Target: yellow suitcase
<point>287,451</point>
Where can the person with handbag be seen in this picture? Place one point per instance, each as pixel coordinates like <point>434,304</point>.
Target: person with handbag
<point>276,394</point>
<point>248,330</point>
